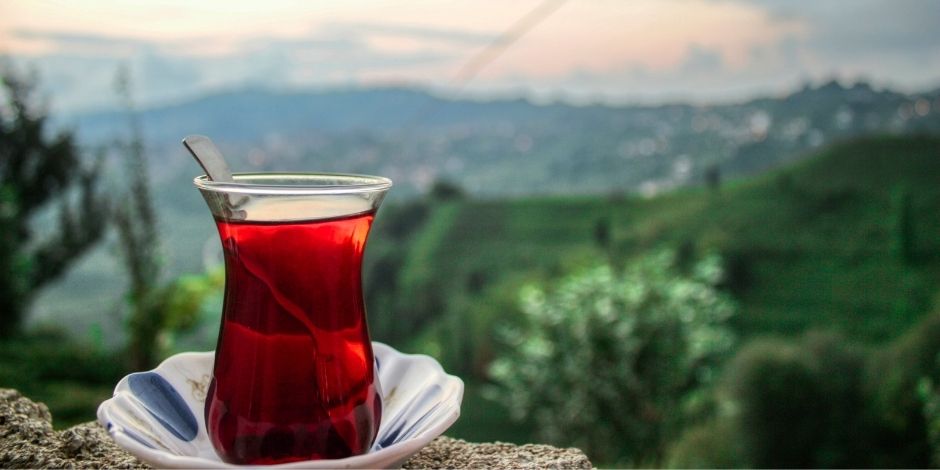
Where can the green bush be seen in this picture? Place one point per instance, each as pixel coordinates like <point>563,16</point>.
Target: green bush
<point>715,443</point>
<point>930,395</point>
<point>897,403</point>
<point>820,401</point>
<point>611,361</point>
<point>778,398</point>
<point>903,244</point>
<point>798,404</point>
<point>71,378</point>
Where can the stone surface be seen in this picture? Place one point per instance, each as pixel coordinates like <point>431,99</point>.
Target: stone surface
<point>445,452</point>
<point>27,440</point>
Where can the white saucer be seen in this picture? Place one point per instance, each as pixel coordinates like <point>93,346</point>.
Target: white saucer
<point>158,415</point>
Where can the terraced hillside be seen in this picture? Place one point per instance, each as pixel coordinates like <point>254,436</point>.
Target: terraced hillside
<point>848,239</point>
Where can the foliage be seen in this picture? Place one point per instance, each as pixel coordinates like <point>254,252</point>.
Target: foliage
<point>821,401</point>
<point>38,171</point>
<point>610,361</point>
<point>902,231</point>
<point>443,190</point>
<point>799,404</point>
<point>897,401</point>
<point>136,221</point>
<point>714,443</point>
<point>484,419</point>
<point>713,177</point>
<point>930,396</point>
<point>602,233</point>
<point>170,310</point>
<point>71,378</point>
<point>462,260</point>
<point>194,312</point>
<point>462,339</point>
<point>812,245</point>
<point>420,295</point>
<point>838,271</point>
<point>158,308</point>
<point>396,226</point>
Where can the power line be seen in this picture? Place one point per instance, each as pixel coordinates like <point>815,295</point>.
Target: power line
<point>504,41</point>
<point>473,66</point>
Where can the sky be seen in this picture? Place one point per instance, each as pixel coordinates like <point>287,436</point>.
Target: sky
<point>615,51</point>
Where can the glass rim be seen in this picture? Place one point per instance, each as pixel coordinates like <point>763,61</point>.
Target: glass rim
<point>307,183</point>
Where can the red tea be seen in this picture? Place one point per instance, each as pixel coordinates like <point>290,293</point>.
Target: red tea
<point>294,377</point>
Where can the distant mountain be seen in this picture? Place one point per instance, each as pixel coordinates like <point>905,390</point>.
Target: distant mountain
<point>507,147</point>
<point>251,115</point>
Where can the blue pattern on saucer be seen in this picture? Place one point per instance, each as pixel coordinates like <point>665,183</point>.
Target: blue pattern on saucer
<point>164,403</point>
<point>416,411</point>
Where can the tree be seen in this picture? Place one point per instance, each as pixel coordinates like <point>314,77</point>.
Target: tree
<point>713,177</point>
<point>39,170</point>
<point>136,221</point>
<point>444,190</point>
<point>602,233</point>
<point>609,361</point>
<point>158,307</point>
<point>902,229</point>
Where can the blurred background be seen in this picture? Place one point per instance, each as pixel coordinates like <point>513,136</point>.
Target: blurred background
<point>675,233</point>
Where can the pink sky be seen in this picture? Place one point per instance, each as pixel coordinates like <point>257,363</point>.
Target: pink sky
<point>588,49</point>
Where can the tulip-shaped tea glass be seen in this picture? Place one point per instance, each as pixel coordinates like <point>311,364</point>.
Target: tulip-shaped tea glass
<point>294,377</point>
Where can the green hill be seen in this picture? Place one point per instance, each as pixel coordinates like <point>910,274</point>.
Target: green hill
<point>819,244</point>
<point>848,240</point>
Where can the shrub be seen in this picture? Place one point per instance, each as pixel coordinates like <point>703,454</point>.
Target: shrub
<point>798,404</point>
<point>897,404</point>
<point>930,396</point>
<point>820,401</point>
<point>715,443</point>
<point>609,361</point>
<point>902,227</point>
<point>777,399</point>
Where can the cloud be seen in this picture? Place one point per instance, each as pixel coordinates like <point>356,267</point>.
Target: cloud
<point>845,31</point>
<point>78,68</point>
<point>764,46</point>
<point>83,43</point>
<point>423,33</point>
<point>702,76</point>
<point>64,38</point>
<point>701,59</point>
<point>890,43</point>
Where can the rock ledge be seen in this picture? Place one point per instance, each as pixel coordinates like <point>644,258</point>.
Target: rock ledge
<point>27,440</point>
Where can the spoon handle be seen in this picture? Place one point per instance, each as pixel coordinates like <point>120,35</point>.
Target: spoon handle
<point>209,157</point>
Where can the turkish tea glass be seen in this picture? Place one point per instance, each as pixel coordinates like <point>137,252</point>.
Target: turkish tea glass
<point>294,375</point>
